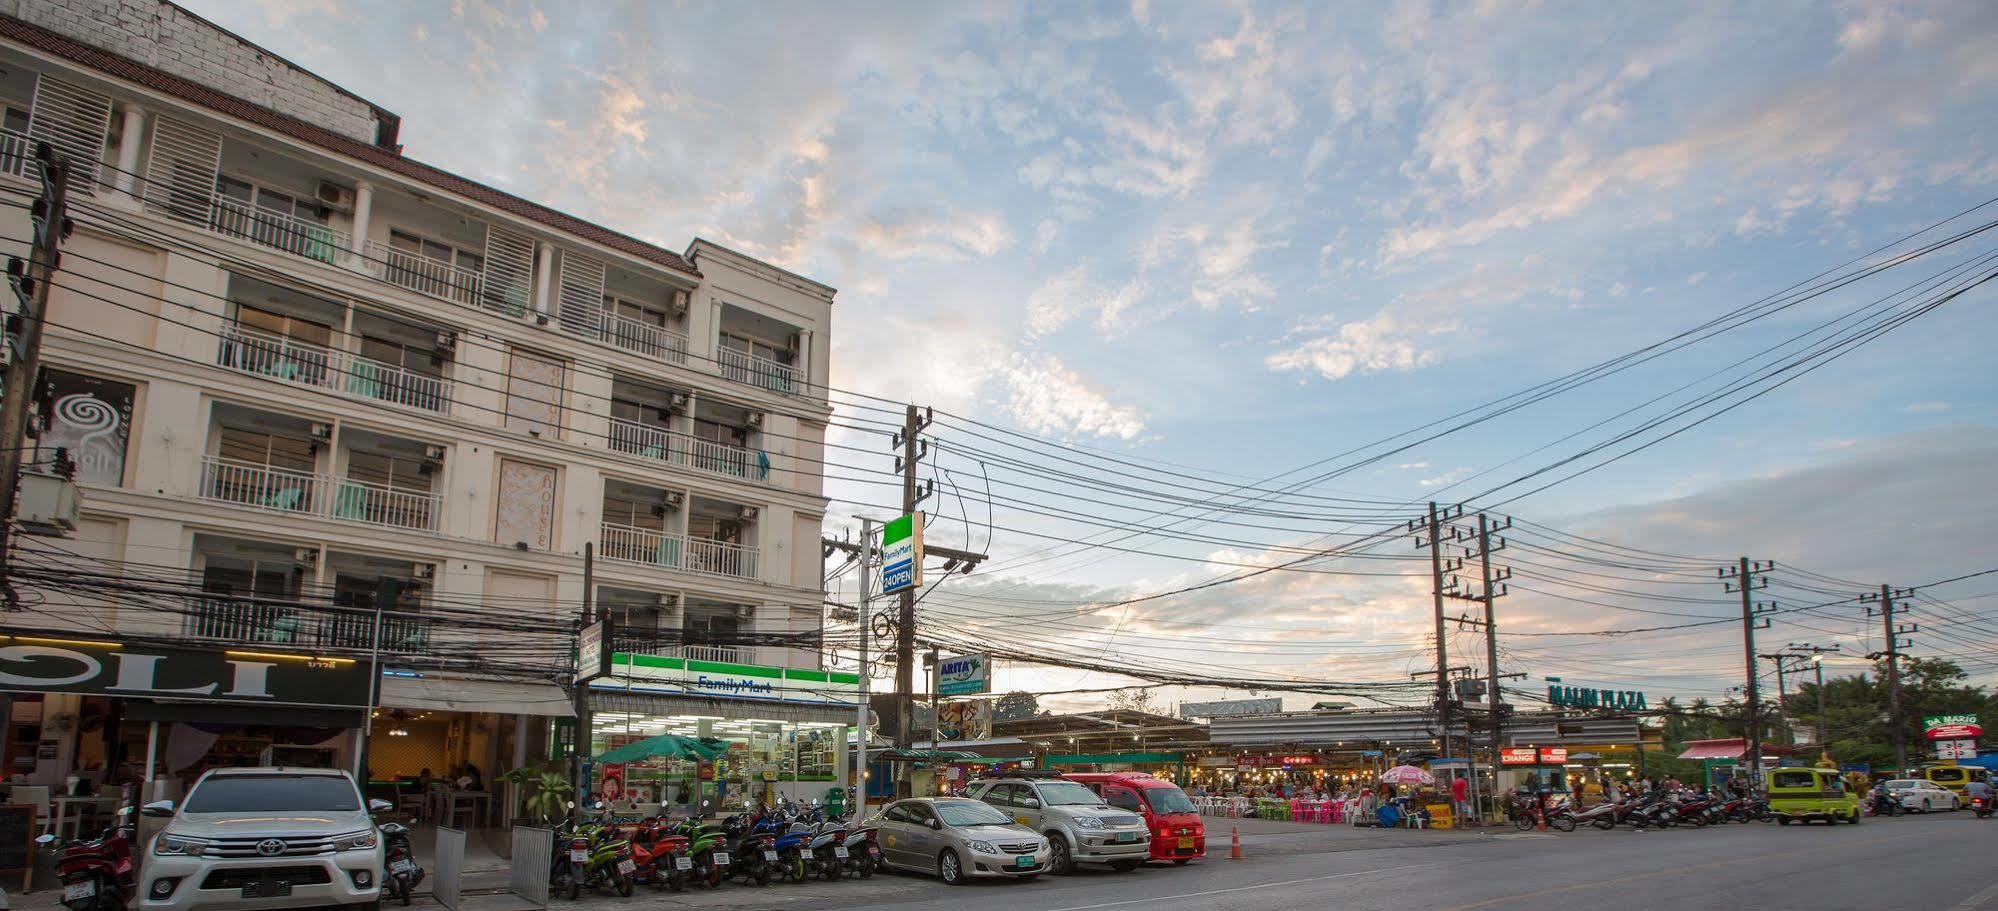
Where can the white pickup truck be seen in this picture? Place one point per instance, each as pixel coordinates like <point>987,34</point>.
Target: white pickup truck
<point>254,839</point>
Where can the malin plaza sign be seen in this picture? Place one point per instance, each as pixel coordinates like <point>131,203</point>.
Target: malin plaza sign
<point>1581,697</point>
<point>902,553</point>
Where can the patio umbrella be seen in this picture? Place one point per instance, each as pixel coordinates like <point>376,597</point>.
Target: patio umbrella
<point>1407,774</point>
<point>672,746</point>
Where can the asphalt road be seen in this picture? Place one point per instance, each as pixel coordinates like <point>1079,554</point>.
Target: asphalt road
<point>1943,862</point>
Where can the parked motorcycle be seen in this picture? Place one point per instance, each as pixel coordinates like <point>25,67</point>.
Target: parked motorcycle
<point>660,855</point>
<point>98,875</point>
<point>863,853</point>
<point>753,848</point>
<point>1603,816</point>
<point>707,847</point>
<point>829,852</point>
<point>404,875</point>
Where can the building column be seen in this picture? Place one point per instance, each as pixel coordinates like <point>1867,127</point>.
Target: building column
<point>544,278</point>
<point>802,370</point>
<point>364,216</point>
<point>131,138</point>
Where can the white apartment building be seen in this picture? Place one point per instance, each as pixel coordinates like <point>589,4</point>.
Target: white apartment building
<point>294,364</point>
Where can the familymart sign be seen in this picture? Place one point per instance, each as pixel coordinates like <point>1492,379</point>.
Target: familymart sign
<point>902,553</point>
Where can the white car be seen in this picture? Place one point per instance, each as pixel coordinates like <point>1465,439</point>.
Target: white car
<point>1926,796</point>
<point>258,839</point>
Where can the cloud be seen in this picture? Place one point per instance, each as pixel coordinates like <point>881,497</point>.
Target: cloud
<point>1046,397</point>
<point>1926,407</point>
<point>1372,346</point>
<point>1071,294</point>
<point>947,237</point>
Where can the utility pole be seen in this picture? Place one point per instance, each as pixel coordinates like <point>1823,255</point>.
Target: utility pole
<point>1816,653</point>
<point>1746,577</point>
<point>31,281</point>
<point>1891,634</point>
<point>581,695</point>
<point>1782,717</point>
<point>1491,588</point>
<point>865,618</point>
<point>936,683</point>
<point>913,421</point>
<point>1433,541</point>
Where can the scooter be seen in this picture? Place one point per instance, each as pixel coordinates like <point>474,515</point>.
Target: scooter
<point>863,853</point>
<point>404,875</point>
<point>828,850</point>
<point>97,875</point>
<point>754,849</point>
<point>794,848</point>
<point>609,861</point>
<point>1603,816</point>
<point>707,847</point>
<point>1981,806</point>
<point>660,856</point>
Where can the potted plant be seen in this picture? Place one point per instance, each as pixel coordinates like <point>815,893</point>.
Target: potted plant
<point>544,790</point>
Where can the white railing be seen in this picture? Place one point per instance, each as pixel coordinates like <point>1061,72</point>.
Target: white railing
<point>727,653</point>
<point>294,235</point>
<point>376,504</point>
<point>645,338</point>
<point>261,486</point>
<point>648,643</point>
<point>761,372</point>
<point>285,490</point>
<point>631,544</point>
<point>424,275</point>
<point>16,150</point>
<point>689,451</point>
<point>288,359</point>
<point>721,558</point>
<point>254,621</point>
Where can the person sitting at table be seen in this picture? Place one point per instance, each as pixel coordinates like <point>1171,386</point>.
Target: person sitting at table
<point>470,780</point>
<point>423,780</point>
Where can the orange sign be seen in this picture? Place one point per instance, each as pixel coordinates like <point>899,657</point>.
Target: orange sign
<point>1518,756</point>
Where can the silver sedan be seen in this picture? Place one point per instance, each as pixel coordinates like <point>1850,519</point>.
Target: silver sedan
<point>958,839</point>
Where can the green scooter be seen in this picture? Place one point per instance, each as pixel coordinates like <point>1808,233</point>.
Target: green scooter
<point>707,844</point>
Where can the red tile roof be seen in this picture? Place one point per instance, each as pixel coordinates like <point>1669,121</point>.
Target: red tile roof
<point>388,159</point>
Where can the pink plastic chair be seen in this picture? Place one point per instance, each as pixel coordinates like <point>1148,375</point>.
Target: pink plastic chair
<point>1298,810</point>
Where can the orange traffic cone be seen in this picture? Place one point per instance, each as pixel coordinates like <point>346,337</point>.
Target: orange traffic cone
<point>1234,843</point>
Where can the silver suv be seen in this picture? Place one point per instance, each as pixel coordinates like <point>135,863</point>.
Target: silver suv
<point>251,839</point>
<point>1080,827</point>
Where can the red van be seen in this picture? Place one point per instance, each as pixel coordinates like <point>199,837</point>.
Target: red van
<point>1178,835</point>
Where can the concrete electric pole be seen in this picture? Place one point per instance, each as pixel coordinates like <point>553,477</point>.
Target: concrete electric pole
<point>1891,633</point>
<point>31,281</point>
<point>1747,577</point>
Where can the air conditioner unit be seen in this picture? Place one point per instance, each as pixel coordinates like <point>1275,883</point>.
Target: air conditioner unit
<point>674,498</point>
<point>424,571</point>
<point>47,505</point>
<point>679,301</point>
<point>335,197</point>
<point>305,555</point>
<point>447,341</point>
<point>755,419</point>
<point>322,432</point>
<point>748,514</point>
<point>433,453</point>
<point>744,611</point>
<point>677,401</point>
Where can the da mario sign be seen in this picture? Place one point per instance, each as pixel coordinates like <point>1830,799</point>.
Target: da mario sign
<point>1581,697</point>
<point>120,669</point>
<point>1952,727</point>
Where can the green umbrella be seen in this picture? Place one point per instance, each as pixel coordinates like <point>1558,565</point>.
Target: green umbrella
<point>672,746</point>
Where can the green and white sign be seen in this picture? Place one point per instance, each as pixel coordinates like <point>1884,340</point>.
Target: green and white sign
<point>902,554</point>
<point>964,675</point>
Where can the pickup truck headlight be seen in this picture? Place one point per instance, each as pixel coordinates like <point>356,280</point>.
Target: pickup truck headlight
<point>984,847</point>
<point>1088,822</point>
<point>354,841</point>
<point>168,845</point>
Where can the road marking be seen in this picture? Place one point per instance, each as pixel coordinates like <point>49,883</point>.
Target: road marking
<point>1183,896</point>
<point>1675,871</point>
<point>1977,901</point>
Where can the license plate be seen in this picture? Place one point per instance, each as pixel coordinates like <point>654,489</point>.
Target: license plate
<point>839,851</point>
<point>769,856</point>
<point>721,858</point>
<point>580,856</point>
<point>683,863</point>
<point>627,867</point>
<point>1186,843</point>
<point>1127,836</point>
<point>873,850</point>
<point>269,888</point>
<point>1024,860</point>
<point>84,889</point>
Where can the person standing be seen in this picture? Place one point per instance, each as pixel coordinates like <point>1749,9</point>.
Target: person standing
<point>1460,797</point>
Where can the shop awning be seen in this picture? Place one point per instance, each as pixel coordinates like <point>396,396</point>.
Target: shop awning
<point>756,709</point>
<point>467,694</point>
<point>931,756</point>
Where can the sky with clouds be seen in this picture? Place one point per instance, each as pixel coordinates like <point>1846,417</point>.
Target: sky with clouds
<point>1241,238</point>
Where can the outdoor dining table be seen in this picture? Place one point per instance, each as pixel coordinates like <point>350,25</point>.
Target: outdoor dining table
<point>65,820</point>
<point>477,803</point>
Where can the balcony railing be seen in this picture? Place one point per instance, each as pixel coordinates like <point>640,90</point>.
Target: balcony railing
<point>648,643</point>
<point>631,544</point>
<point>246,621</point>
<point>424,275</point>
<point>645,338</point>
<point>277,230</point>
<point>16,151</point>
<point>761,372</point>
<point>688,451</point>
<point>285,490</point>
<point>305,363</point>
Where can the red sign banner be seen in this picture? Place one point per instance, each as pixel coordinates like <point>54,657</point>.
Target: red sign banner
<point>1518,756</point>
<point>1553,755</point>
<point>1956,732</point>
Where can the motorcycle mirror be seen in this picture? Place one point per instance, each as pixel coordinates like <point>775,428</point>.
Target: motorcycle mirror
<point>44,838</point>
<point>379,806</point>
<point>157,808</point>
<point>124,811</point>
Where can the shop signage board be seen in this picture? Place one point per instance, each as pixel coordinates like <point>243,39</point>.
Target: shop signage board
<point>964,675</point>
<point>1952,727</point>
<point>964,719</point>
<point>129,669</point>
<point>1956,749</point>
<point>1582,697</point>
<point>1553,755</point>
<point>902,553</point>
<point>592,660</point>
<point>1230,708</point>
<point>1276,762</point>
<point>729,680</point>
<point>1518,756</point>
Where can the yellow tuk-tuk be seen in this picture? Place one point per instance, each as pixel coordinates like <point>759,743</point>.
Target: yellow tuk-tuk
<point>1801,795</point>
<point>1954,777</point>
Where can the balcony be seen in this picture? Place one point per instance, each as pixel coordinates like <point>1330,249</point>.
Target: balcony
<point>276,230</point>
<point>688,451</point>
<point>651,645</point>
<point>16,151</point>
<point>645,546</point>
<point>252,621</point>
<point>754,370</point>
<point>424,275</point>
<point>645,338</point>
<point>287,491</point>
<point>304,363</point>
